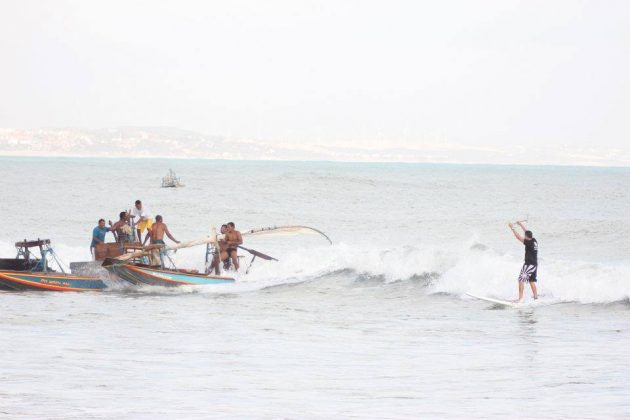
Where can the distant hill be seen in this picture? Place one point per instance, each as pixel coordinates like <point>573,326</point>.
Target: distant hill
<point>177,143</point>
<point>122,142</point>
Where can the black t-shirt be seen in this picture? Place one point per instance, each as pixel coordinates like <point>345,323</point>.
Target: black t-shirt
<point>531,252</point>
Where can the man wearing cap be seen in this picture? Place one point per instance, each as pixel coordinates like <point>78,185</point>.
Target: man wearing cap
<point>530,268</point>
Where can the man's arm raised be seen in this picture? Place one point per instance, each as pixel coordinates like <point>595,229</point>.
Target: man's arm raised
<point>516,234</point>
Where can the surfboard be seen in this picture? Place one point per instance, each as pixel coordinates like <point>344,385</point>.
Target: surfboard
<point>496,301</point>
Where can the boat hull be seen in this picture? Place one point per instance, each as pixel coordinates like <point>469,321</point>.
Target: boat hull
<point>168,278</point>
<point>16,280</point>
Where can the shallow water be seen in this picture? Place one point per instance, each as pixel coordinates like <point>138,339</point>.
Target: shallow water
<point>375,326</point>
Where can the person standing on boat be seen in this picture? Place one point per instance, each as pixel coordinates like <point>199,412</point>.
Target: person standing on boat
<point>233,239</point>
<point>121,229</point>
<point>156,232</point>
<point>144,219</point>
<point>98,236</point>
<point>529,272</point>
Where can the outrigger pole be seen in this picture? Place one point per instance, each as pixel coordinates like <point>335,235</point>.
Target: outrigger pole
<point>144,252</point>
<point>214,252</point>
<point>204,241</point>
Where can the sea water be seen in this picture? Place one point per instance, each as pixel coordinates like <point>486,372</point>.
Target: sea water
<point>375,326</point>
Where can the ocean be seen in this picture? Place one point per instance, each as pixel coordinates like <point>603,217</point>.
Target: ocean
<point>377,325</point>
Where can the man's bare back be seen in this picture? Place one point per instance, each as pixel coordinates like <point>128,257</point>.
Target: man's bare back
<point>157,232</point>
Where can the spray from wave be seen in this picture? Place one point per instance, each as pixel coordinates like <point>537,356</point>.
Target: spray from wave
<point>471,268</point>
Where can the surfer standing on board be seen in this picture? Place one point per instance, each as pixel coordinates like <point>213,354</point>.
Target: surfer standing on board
<point>530,268</point>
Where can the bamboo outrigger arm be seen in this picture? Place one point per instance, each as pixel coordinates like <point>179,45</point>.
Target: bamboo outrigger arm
<point>147,250</point>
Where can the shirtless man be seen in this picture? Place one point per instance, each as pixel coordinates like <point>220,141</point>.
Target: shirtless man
<point>529,271</point>
<point>222,255</point>
<point>122,229</point>
<point>233,239</point>
<point>157,231</point>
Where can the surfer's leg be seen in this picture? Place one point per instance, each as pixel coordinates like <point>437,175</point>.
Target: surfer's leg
<point>532,281</point>
<point>522,278</point>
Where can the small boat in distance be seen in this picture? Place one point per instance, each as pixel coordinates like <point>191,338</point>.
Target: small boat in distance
<point>27,272</point>
<point>171,180</point>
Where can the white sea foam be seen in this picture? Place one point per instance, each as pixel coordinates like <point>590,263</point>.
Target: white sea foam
<point>469,268</point>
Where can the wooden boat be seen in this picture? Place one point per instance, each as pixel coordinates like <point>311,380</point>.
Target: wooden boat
<point>141,274</point>
<point>15,264</point>
<point>27,272</point>
<point>60,282</point>
<point>133,268</point>
<point>102,251</point>
<point>129,268</point>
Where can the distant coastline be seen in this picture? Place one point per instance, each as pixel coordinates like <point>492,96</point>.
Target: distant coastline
<point>174,143</point>
<point>323,162</point>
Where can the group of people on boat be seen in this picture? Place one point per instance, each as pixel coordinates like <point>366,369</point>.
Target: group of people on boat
<point>228,242</point>
<point>123,230</point>
<point>141,218</point>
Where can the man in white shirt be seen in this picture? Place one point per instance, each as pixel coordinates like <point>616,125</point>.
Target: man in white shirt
<point>142,218</point>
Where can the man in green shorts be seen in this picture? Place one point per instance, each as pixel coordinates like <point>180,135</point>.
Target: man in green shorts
<point>156,233</point>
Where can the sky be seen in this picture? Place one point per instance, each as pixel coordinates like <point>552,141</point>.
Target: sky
<point>474,74</point>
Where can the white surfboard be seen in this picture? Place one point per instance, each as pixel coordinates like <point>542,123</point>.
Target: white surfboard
<point>497,301</point>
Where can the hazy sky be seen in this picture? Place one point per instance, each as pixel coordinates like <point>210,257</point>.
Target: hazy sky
<point>400,73</point>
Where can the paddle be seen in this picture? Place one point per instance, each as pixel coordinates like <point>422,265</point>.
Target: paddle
<point>258,254</point>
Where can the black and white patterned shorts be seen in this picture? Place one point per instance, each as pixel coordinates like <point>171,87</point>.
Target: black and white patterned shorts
<point>528,273</point>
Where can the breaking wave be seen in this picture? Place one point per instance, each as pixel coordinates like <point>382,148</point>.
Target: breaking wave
<point>472,268</point>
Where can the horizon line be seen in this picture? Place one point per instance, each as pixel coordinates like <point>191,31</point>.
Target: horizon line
<point>341,161</point>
